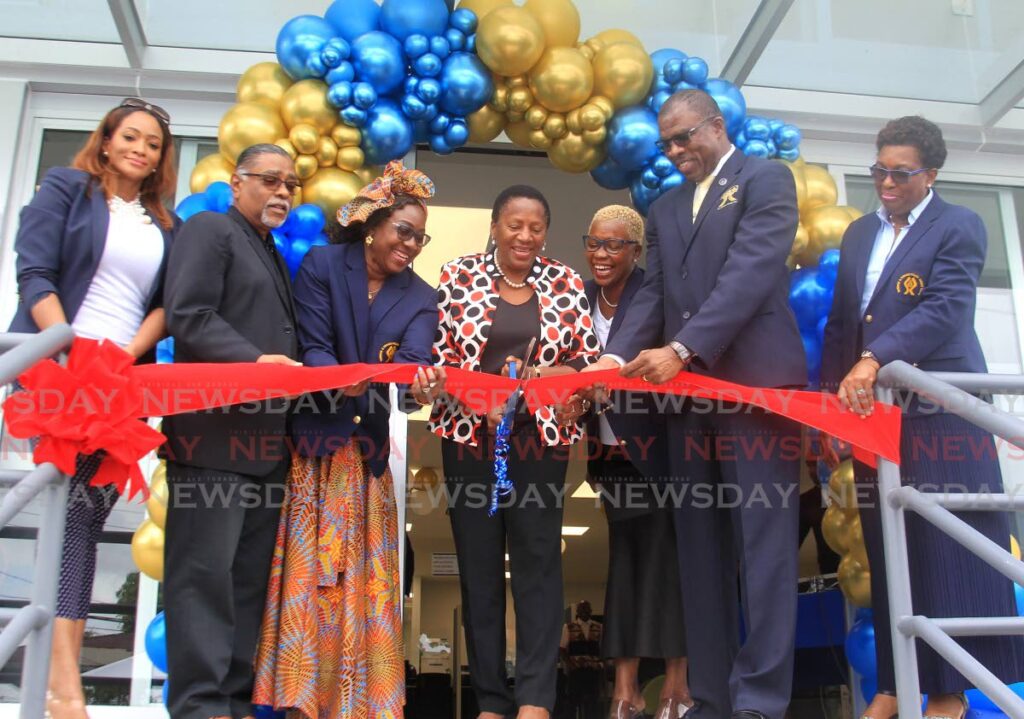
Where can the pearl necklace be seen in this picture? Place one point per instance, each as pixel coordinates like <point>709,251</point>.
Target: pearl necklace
<point>606,301</point>
<point>134,209</point>
<point>510,283</point>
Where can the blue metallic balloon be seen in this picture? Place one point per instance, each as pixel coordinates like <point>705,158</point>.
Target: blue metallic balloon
<point>809,299</point>
<point>470,43</point>
<point>300,39</point>
<point>828,268</point>
<point>466,84</point>
<point>651,181</point>
<point>279,241</point>
<point>658,99</point>
<point>191,205</point>
<point>353,116</point>
<point>787,137</point>
<point>296,252</point>
<point>321,240</point>
<point>218,196</point>
<point>756,148</point>
<point>440,47</point>
<point>740,140</point>
<point>457,133</point>
<point>868,688</point>
<point>403,18</point>
<point>695,71</point>
<point>340,94</point>
<point>429,90</point>
<point>428,65</point>
<point>456,39</point>
<point>363,95</point>
<point>309,221</point>
<point>335,52</point>
<point>610,176</point>
<point>165,355</point>
<point>641,195</point>
<point>756,128</point>
<point>167,685</point>
<point>411,83</point>
<point>316,66</point>
<point>775,124</point>
<point>388,133</point>
<point>730,102</point>
<point>440,124</point>
<point>673,71</point>
<point>772,150</point>
<point>416,45</point>
<point>262,711</point>
<point>660,57</point>
<point>464,20</point>
<point>860,647</point>
<point>421,130</point>
<point>379,60</point>
<point>981,705</point>
<point>789,155</point>
<point>342,73</point>
<point>352,18</point>
<point>156,642</point>
<point>413,107</point>
<point>439,145</point>
<point>632,133</point>
<point>662,166</point>
<point>820,331</point>
<point>432,112</point>
<point>672,181</point>
<point>683,85</point>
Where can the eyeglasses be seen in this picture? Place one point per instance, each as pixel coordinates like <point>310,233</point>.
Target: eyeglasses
<point>612,246</point>
<point>155,110</point>
<point>406,233</point>
<point>272,182</point>
<point>683,138</point>
<point>899,177</point>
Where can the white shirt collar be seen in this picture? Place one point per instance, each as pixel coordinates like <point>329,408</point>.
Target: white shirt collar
<point>883,214</point>
<point>721,163</point>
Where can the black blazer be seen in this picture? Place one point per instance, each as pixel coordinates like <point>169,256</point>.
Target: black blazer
<point>60,240</point>
<point>227,300</point>
<point>338,325</point>
<point>634,417</point>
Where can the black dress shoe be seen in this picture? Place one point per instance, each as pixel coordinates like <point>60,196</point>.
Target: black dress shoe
<point>748,714</point>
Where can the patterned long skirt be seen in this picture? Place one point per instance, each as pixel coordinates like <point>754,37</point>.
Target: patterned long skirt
<point>331,642</point>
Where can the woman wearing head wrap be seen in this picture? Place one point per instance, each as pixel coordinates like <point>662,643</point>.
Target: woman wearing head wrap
<point>331,643</point>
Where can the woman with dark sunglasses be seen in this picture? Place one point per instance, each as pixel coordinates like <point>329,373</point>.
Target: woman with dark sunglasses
<point>906,290</point>
<point>92,247</point>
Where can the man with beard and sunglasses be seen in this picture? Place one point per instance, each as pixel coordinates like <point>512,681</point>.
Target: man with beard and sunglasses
<point>228,299</point>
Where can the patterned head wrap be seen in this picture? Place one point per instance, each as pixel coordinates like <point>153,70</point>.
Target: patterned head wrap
<point>380,193</point>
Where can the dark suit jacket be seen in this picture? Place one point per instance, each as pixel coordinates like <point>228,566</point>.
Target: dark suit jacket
<point>633,417</point>
<point>928,322</point>
<point>227,300</point>
<point>60,241</point>
<point>720,284</point>
<point>338,325</point>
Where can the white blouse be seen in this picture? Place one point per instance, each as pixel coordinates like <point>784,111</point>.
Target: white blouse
<point>115,303</point>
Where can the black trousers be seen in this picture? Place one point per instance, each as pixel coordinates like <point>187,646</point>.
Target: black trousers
<point>530,522</point>
<point>221,529</point>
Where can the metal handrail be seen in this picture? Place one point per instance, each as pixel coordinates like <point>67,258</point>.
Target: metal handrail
<point>950,391</point>
<point>33,623</point>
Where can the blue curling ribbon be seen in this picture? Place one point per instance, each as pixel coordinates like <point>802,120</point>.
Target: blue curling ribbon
<point>502,484</point>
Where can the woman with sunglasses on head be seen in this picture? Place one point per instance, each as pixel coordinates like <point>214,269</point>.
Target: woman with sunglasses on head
<point>906,290</point>
<point>643,613</point>
<point>92,246</point>
<point>331,642</point>
<point>510,305</point>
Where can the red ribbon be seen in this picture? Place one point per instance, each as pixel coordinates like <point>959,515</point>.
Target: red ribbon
<point>96,401</point>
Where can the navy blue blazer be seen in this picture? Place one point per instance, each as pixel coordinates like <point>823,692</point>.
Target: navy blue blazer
<point>922,310</point>
<point>338,325</point>
<point>60,241</point>
<point>720,285</point>
<point>633,417</point>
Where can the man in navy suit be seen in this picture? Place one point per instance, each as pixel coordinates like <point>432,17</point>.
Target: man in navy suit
<point>714,301</point>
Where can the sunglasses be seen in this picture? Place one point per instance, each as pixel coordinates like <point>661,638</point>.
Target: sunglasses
<point>612,246</point>
<point>683,138</point>
<point>406,233</point>
<point>272,182</point>
<point>155,110</point>
<point>900,177</point>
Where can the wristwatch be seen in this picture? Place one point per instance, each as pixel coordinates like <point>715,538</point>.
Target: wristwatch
<point>684,352</point>
<point>868,354</point>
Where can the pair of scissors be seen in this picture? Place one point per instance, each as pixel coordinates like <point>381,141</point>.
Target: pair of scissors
<point>502,484</point>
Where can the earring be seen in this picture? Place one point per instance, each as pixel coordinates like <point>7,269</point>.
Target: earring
<point>369,239</point>
<point>544,247</point>
<point>106,154</point>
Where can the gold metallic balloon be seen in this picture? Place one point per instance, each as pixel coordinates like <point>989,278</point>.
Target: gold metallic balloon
<point>345,136</point>
<point>595,137</point>
<point>591,117</point>
<point>855,542</point>
<point>306,102</point>
<point>604,105</point>
<point>286,145</point>
<point>483,7</point>
<point>614,35</point>
<point>499,100</point>
<point>587,51</point>
<point>559,18</point>
<point>1014,547</point>
<point>515,81</point>
<point>853,212</point>
<point>212,168</point>
<point>304,138</point>
<point>826,225</point>
<point>573,154</point>
<point>326,152</point>
<point>247,124</point>
<point>797,168</point>
<point>368,174</point>
<point>855,581</point>
<point>821,188</point>
<point>835,527</point>
<point>519,133</point>
<point>539,140</point>
<point>536,116</point>
<point>509,40</point>
<point>264,82</point>
<point>148,550</point>
<point>842,488</point>
<point>520,99</point>
<point>306,166</point>
<point>330,188</point>
<point>350,158</point>
<point>156,505</point>
<point>562,79</point>
<point>800,241</point>
<point>573,122</point>
<point>485,124</point>
<point>554,127</point>
<point>514,116</point>
<point>623,73</point>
